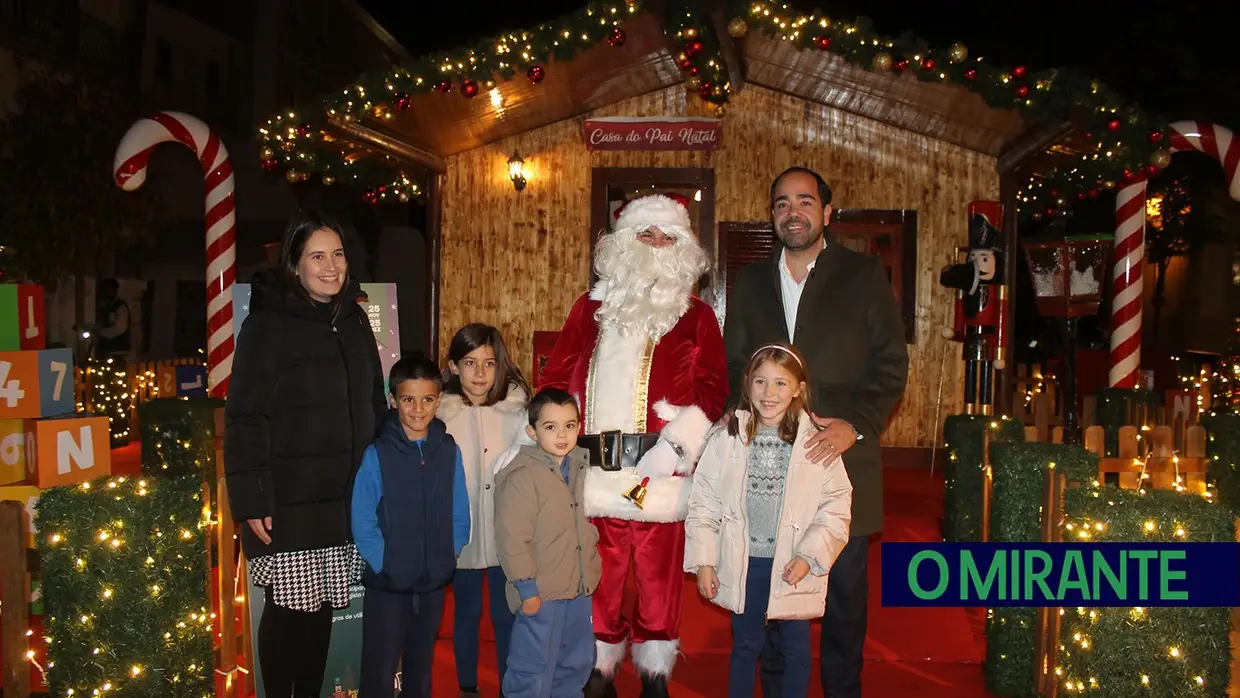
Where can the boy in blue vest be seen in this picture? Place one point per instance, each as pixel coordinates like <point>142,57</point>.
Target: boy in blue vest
<point>549,551</point>
<point>410,521</point>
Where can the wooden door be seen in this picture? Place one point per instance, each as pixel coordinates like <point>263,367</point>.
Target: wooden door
<point>889,235</point>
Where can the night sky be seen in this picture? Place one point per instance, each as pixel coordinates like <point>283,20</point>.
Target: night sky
<point>1177,58</point>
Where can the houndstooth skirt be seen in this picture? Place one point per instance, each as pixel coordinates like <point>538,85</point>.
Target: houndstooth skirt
<point>303,580</point>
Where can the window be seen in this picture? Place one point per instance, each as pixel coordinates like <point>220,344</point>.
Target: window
<point>213,78</point>
<point>163,60</point>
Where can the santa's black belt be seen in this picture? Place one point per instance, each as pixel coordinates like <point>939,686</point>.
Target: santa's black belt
<point>613,450</point>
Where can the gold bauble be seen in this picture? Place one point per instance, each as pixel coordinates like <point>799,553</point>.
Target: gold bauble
<point>737,27</point>
<point>716,91</point>
<point>690,33</point>
<point>1108,184</point>
<point>266,153</point>
<point>693,83</point>
<point>328,180</point>
<point>292,176</point>
<point>720,110</point>
<point>404,197</point>
<point>957,53</point>
<point>1161,158</point>
<point>882,61</point>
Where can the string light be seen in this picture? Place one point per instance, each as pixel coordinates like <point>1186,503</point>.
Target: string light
<point>110,396</point>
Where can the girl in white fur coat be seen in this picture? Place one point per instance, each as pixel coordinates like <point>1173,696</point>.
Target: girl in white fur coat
<point>484,407</point>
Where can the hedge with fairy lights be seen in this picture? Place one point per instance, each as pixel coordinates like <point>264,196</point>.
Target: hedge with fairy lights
<point>1016,517</point>
<point>962,489</point>
<point>108,383</point>
<point>125,585</point>
<point>1223,448</point>
<point>178,436</point>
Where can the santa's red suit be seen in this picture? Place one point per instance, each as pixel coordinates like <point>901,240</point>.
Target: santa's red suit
<point>658,370</point>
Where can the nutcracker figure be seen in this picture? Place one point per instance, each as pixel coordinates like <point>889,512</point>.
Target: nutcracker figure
<point>981,306</point>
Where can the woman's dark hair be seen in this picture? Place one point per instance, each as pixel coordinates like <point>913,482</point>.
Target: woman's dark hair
<point>413,369</point>
<point>507,374</point>
<point>550,396</point>
<point>293,245</point>
<point>824,189</point>
<point>788,358</point>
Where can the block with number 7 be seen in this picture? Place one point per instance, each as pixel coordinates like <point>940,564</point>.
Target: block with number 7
<point>36,384</point>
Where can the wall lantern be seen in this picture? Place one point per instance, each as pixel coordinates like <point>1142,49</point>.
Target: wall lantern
<point>516,170</point>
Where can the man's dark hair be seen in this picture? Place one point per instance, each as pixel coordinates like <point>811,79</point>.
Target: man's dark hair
<point>550,396</point>
<point>411,369</point>
<point>110,285</point>
<point>824,189</point>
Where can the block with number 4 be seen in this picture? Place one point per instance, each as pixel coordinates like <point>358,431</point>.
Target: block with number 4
<point>67,450</point>
<point>12,451</point>
<point>36,384</point>
<point>21,317</point>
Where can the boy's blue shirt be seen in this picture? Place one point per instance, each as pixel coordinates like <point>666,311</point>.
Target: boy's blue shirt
<point>368,490</point>
<point>528,588</point>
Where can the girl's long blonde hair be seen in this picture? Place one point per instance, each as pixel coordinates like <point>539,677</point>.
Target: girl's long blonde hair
<point>788,358</point>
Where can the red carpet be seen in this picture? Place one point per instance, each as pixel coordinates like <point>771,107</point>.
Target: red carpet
<point>929,653</point>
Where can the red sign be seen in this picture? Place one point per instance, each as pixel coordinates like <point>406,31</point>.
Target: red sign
<point>653,133</point>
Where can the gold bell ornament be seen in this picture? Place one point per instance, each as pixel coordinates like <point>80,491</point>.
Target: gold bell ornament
<point>637,495</point>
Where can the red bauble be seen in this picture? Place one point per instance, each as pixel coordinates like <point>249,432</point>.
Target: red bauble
<point>303,130</point>
<point>616,37</point>
<point>270,165</point>
<point>705,88</point>
<point>444,86</point>
<point>970,74</point>
<point>1156,135</point>
<point>1129,176</point>
<point>1094,193</point>
<point>535,74</point>
<point>686,64</point>
<point>693,70</point>
<point>1080,196</point>
<point>469,88</point>
<point>822,42</point>
<point>370,197</point>
<point>694,47</point>
<point>1054,193</point>
<point>1019,71</point>
<point>1151,170</point>
<point>900,65</point>
<point>1113,125</point>
<point>1089,136</point>
<point>403,100</point>
<point>1022,91</point>
<point>927,63</point>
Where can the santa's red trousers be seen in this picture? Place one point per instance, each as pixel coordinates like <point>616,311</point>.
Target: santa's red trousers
<point>657,551</point>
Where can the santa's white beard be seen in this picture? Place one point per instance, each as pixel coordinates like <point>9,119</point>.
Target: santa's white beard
<point>646,289</point>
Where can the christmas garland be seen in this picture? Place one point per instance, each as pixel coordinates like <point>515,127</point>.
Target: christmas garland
<point>1126,143</point>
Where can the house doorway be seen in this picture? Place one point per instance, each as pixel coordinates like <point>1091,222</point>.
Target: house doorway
<point>612,187</point>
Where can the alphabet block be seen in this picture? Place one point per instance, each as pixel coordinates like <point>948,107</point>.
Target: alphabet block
<point>191,380</point>
<point>27,495</point>
<point>36,384</point>
<point>12,451</point>
<point>67,450</point>
<point>22,324</point>
<point>166,381</point>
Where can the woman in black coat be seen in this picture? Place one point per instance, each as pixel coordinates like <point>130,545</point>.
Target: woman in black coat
<point>305,396</point>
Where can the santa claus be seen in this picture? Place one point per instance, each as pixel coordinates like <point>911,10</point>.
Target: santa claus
<point>644,358</point>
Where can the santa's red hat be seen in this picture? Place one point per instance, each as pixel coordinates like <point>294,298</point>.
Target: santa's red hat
<point>670,212</point>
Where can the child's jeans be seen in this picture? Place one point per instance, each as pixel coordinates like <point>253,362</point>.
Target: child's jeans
<point>551,652</point>
<point>467,599</point>
<point>749,635</point>
<point>396,626</point>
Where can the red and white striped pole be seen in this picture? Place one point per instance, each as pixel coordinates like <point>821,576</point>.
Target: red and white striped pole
<point>1126,299</point>
<point>129,170</point>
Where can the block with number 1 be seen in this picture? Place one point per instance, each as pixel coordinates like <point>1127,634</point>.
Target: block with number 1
<point>22,324</point>
<point>36,384</point>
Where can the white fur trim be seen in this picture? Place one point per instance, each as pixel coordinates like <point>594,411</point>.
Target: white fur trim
<point>656,657</point>
<point>656,209</point>
<point>608,657</point>
<point>667,498</point>
<point>615,381</point>
<point>451,404</point>
<point>687,427</point>
<point>599,291</point>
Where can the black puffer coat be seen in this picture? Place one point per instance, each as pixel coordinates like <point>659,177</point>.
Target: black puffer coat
<point>304,401</point>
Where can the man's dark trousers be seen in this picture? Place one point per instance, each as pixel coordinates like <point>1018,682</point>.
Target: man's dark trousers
<point>843,628</point>
<point>395,627</point>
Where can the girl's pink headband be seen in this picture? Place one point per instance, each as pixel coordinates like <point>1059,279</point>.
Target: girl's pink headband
<point>780,348</point>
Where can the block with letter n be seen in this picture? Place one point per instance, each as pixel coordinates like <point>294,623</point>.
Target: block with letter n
<point>67,450</point>
<point>36,384</point>
<point>22,324</point>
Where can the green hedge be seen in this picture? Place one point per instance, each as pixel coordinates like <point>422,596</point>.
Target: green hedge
<point>962,491</point>
<point>1016,517</point>
<point>1125,652</point>
<point>178,436</point>
<point>1223,448</point>
<point>125,583</point>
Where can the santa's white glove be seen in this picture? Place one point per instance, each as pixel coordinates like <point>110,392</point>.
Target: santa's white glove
<point>659,461</point>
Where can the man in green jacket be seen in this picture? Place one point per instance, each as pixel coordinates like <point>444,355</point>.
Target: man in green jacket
<point>837,307</point>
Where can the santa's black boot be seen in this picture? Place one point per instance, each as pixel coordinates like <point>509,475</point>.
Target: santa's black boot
<point>599,686</point>
<point>654,686</point>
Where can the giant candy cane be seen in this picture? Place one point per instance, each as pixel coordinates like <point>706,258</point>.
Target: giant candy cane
<point>129,170</point>
<point>1126,298</point>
